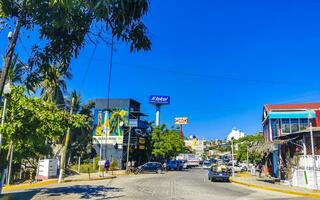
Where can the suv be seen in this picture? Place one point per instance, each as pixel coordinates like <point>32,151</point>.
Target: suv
<point>175,165</point>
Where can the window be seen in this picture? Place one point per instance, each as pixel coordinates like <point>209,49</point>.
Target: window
<point>303,124</point>
<point>275,127</point>
<point>285,126</point>
<point>294,125</point>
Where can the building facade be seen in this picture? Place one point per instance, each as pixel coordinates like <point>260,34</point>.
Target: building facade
<point>285,125</point>
<point>113,146</point>
<point>235,134</point>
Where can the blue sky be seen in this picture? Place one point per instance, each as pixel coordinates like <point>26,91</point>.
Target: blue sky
<point>220,61</point>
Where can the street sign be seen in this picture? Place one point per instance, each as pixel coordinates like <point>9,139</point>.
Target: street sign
<point>133,122</point>
<point>181,120</point>
<point>101,162</point>
<point>157,99</point>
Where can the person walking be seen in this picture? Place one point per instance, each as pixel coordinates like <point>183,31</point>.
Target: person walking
<point>260,168</point>
<point>106,166</point>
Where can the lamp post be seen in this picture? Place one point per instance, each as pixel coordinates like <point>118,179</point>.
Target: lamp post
<point>313,156</point>
<point>6,91</point>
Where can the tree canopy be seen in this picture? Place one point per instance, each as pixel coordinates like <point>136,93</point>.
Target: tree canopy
<point>31,121</point>
<point>166,143</point>
<point>65,26</point>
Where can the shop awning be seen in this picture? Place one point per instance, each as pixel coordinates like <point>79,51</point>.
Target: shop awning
<point>292,115</point>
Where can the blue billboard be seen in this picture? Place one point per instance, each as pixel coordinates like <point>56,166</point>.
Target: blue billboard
<point>157,99</point>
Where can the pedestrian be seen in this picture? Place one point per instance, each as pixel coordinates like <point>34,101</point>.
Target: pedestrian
<point>107,165</point>
<point>260,168</point>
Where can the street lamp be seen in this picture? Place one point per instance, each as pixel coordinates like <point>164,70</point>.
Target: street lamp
<point>6,91</point>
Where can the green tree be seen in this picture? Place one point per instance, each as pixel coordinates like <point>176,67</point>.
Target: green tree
<point>53,85</point>
<point>166,143</point>
<point>66,26</point>
<point>244,147</point>
<point>16,71</point>
<point>30,122</point>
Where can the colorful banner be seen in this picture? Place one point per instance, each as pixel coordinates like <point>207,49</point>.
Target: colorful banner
<point>102,128</point>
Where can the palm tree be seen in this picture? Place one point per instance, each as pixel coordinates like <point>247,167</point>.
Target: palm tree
<point>53,84</point>
<point>16,70</point>
<point>76,101</point>
<point>116,118</point>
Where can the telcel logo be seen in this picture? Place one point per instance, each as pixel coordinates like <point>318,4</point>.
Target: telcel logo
<point>155,99</point>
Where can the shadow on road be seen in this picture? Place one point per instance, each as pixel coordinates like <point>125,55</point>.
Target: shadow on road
<point>79,192</point>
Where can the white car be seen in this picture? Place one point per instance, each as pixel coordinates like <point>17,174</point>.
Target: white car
<point>237,168</point>
<point>206,164</point>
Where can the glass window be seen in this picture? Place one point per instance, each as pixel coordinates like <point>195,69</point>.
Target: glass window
<point>294,125</point>
<point>275,127</point>
<point>303,124</point>
<point>285,126</point>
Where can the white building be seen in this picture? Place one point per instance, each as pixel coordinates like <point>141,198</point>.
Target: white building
<point>197,145</point>
<point>235,134</point>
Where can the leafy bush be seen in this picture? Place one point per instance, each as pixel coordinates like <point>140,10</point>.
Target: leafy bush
<point>114,165</point>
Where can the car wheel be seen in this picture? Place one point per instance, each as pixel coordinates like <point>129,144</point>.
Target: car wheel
<point>212,179</point>
<point>159,171</point>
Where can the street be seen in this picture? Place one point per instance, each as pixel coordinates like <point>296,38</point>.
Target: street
<point>192,184</point>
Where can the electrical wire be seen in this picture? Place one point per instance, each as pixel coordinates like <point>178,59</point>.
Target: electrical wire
<point>88,67</point>
<point>110,74</point>
<point>215,77</point>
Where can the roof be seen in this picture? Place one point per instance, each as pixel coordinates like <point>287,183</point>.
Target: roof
<point>298,106</point>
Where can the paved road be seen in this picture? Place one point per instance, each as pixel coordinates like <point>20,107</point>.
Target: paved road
<point>184,185</point>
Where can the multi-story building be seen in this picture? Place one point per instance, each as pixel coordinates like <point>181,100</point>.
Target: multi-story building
<point>197,145</point>
<point>287,127</point>
<point>113,146</point>
<point>235,134</point>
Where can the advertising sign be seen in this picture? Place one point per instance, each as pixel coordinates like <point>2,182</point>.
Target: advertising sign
<point>102,131</point>
<point>133,122</point>
<point>181,120</point>
<point>157,99</point>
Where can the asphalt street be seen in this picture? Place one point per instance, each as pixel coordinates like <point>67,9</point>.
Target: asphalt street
<point>185,185</point>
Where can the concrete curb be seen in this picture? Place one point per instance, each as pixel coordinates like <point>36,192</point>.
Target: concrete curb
<point>48,182</point>
<point>312,195</point>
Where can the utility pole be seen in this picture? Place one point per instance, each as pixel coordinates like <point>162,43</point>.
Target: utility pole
<point>232,156</point>
<point>2,119</point>
<point>312,149</point>
<point>10,163</point>
<point>12,44</point>
<point>247,157</point>
<point>128,148</point>
<point>65,148</point>
<point>313,159</point>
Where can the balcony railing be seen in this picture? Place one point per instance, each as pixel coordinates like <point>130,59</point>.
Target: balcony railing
<point>307,162</point>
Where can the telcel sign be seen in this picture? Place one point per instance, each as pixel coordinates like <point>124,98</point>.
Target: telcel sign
<point>181,120</point>
<point>156,99</point>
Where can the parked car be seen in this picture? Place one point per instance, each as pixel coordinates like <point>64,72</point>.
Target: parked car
<point>237,168</point>
<point>184,164</point>
<point>150,167</point>
<point>206,164</point>
<point>218,174</point>
<point>175,165</point>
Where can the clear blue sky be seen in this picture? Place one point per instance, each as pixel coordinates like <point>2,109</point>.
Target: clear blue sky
<point>220,61</point>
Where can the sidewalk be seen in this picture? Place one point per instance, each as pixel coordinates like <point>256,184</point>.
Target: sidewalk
<point>71,178</point>
<point>265,184</point>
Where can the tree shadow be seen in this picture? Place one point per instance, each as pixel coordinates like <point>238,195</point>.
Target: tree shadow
<point>79,192</point>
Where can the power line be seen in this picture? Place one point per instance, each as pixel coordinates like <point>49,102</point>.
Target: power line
<point>88,66</point>
<point>110,73</point>
<point>216,77</point>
